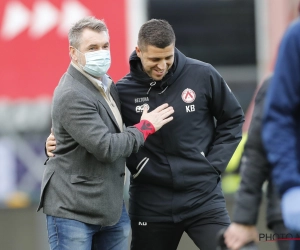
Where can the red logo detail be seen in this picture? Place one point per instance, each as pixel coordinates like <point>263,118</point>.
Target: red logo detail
<point>188,95</point>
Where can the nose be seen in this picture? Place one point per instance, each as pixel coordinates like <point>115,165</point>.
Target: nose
<point>162,65</point>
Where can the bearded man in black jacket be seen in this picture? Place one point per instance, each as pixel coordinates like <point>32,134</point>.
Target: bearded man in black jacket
<point>176,177</point>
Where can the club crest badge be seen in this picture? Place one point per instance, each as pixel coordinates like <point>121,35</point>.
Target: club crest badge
<point>188,96</point>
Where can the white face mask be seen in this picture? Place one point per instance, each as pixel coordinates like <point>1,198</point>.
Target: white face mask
<point>97,62</point>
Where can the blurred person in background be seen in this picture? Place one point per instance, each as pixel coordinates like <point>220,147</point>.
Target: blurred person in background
<point>176,176</point>
<point>82,187</point>
<point>255,170</point>
<point>281,128</point>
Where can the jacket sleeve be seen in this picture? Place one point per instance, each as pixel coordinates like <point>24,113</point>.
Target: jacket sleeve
<point>81,120</point>
<point>281,132</point>
<point>229,121</point>
<point>255,168</point>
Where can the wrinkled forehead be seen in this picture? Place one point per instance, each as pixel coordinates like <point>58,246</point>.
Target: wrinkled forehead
<point>90,37</point>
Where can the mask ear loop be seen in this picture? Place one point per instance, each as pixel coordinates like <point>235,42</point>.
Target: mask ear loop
<point>81,66</point>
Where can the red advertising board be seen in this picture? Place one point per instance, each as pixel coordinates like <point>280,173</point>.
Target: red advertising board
<point>34,44</point>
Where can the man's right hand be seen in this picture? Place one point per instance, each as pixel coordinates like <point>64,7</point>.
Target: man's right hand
<point>159,116</point>
<point>50,144</point>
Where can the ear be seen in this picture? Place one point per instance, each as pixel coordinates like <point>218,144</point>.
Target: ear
<point>73,53</point>
<point>138,51</point>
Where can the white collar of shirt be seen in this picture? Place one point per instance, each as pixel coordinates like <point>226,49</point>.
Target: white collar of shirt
<point>103,83</point>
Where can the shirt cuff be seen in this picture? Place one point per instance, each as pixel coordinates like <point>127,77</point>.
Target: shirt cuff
<point>145,127</point>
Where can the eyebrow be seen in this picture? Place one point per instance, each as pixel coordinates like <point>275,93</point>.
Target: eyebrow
<point>160,57</point>
<point>96,45</point>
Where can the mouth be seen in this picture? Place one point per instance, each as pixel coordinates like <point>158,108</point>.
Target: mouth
<point>159,72</point>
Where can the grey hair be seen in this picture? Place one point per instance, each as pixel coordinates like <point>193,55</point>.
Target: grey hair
<point>88,22</point>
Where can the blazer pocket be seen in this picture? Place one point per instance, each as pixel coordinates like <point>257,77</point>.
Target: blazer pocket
<point>43,188</point>
<point>81,178</point>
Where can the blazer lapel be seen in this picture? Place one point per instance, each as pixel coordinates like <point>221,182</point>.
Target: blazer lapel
<point>108,109</point>
<point>115,95</point>
<point>88,84</point>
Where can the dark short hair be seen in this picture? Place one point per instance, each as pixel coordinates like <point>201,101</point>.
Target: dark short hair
<point>156,32</point>
<point>88,22</point>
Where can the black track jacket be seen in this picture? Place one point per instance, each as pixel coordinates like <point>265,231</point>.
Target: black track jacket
<point>176,175</point>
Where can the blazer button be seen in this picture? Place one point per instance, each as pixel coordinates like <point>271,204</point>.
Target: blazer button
<point>123,174</point>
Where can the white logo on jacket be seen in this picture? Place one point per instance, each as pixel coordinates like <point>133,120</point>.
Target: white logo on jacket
<point>142,99</point>
<point>139,109</point>
<point>188,96</point>
<point>190,108</point>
